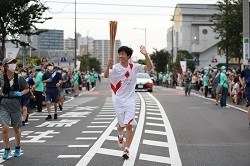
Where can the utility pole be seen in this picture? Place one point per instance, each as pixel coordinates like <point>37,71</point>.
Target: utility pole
<point>245,31</point>
<point>227,47</point>
<point>75,37</point>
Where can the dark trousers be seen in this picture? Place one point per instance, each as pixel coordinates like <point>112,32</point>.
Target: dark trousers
<point>39,100</point>
<point>88,86</point>
<point>206,91</point>
<point>223,99</point>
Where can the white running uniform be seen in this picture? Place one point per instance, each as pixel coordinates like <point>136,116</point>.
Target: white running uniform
<point>122,83</point>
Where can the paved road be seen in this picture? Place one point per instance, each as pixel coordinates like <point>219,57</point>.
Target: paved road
<point>172,130</point>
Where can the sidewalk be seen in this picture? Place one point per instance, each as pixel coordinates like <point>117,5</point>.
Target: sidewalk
<point>241,106</point>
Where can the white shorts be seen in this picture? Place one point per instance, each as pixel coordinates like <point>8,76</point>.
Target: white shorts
<point>125,115</point>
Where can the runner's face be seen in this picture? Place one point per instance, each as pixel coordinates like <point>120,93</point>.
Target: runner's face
<point>123,57</point>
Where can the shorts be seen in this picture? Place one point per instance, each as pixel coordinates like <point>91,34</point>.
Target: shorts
<point>247,96</point>
<point>218,89</point>
<point>25,102</point>
<point>52,96</point>
<point>11,119</point>
<point>125,115</point>
<point>62,92</point>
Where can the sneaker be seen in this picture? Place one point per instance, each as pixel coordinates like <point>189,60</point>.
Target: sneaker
<point>120,142</point>
<point>125,154</point>
<point>60,106</point>
<point>23,122</point>
<point>55,116</point>
<point>17,152</point>
<point>49,117</point>
<point>216,103</point>
<point>6,154</point>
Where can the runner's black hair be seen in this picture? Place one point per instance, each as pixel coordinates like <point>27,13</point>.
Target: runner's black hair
<point>127,50</point>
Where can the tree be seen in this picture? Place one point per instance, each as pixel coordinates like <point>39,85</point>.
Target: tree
<point>184,55</point>
<point>88,63</point>
<point>228,25</point>
<point>20,17</point>
<point>160,60</point>
<point>142,61</point>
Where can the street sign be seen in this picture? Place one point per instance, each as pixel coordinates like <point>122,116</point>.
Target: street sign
<point>63,59</point>
<point>245,50</point>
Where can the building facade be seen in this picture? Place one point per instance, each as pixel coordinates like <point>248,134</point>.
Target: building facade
<point>102,51</point>
<point>49,40</point>
<point>192,31</point>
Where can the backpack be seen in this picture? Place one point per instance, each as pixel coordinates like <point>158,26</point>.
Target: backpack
<point>79,79</point>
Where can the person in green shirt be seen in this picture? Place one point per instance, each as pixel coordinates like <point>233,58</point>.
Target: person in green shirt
<point>76,84</point>
<point>205,82</point>
<point>224,86</point>
<point>39,88</point>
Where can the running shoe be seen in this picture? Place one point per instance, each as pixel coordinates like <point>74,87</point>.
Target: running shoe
<point>6,154</point>
<point>60,106</point>
<point>120,142</point>
<point>17,152</point>
<point>125,154</point>
<point>55,116</point>
<point>49,117</point>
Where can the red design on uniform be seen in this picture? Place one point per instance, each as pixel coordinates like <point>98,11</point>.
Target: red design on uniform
<point>131,65</point>
<point>127,74</point>
<point>116,87</point>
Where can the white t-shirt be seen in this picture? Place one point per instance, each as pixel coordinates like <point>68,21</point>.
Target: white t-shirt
<point>236,88</point>
<point>123,82</point>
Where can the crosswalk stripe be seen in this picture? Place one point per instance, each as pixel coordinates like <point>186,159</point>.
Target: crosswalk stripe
<point>110,152</point>
<point>155,132</point>
<point>154,118</point>
<point>86,138</point>
<point>155,143</point>
<point>92,132</point>
<point>154,158</point>
<point>78,146</point>
<point>69,156</point>
<point>155,124</point>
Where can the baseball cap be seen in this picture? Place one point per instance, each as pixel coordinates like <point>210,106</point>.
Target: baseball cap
<point>37,68</point>
<point>223,67</point>
<point>50,64</point>
<point>8,60</point>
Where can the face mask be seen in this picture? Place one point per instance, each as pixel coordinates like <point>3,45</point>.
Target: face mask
<point>51,67</point>
<point>24,74</point>
<point>12,67</point>
<point>224,71</point>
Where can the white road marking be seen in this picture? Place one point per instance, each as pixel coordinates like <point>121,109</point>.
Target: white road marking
<point>154,158</point>
<point>92,131</point>
<point>86,138</point>
<point>96,126</point>
<point>110,152</point>
<point>155,143</point>
<point>137,135</point>
<point>114,138</point>
<point>78,146</point>
<point>153,118</point>
<point>173,150</point>
<point>69,156</point>
<point>103,118</point>
<point>100,122</point>
<point>156,109</point>
<point>152,113</point>
<point>155,124</point>
<point>33,119</point>
<point>105,115</point>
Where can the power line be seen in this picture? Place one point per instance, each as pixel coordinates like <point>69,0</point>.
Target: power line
<point>125,5</point>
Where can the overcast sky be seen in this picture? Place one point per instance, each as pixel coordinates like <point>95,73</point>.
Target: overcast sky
<point>93,19</point>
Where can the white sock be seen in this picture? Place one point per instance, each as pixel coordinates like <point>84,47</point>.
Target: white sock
<point>126,148</point>
<point>120,136</point>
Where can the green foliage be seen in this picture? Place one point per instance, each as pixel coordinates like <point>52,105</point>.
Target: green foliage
<point>160,60</point>
<point>142,61</point>
<point>88,62</point>
<point>229,26</point>
<point>20,17</point>
<point>183,55</point>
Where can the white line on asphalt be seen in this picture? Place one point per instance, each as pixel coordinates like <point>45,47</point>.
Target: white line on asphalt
<point>173,149</point>
<point>153,118</point>
<point>78,146</point>
<point>33,119</point>
<point>105,115</point>
<point>111,152</point>
<point>155,132</point>
<point>109,110</point>
<point>86,138</point>
<point>100,122</point>
<point>103,118</point>
<point>92,131</point>
<point>154,158</point>
<point>156,109</point>
<point>114,138</point>
<point>69,156</point>
<point>137,135</point>
<point>96,126</point>
<point>155,143</point>
<point>155,124</point>
<point>97,145</point>
<point>102,113</point>
<point>152,113</point>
